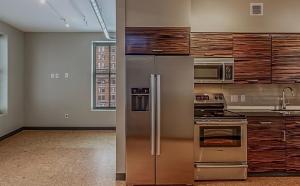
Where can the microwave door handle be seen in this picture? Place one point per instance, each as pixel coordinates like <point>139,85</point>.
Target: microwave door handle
<point>152,104</point>
<point>158,114</point>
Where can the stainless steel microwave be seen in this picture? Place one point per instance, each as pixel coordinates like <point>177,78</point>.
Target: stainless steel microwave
<point>213,70</point>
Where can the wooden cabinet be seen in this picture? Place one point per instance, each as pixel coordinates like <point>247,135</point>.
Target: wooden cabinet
<point>266,145</point>
<point>252,53</point>
<point>286,58</point>
<point>158,40</point>
<point>292,144</point>
<point>211,44</point>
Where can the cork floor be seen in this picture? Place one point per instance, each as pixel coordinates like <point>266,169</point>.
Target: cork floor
<point>77,158</point>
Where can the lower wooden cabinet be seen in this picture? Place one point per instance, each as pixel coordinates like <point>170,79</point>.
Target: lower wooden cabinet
<point>266,145</point>
<point>274,144</point>
<point>292,144</point>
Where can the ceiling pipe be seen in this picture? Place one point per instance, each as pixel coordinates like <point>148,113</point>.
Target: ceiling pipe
<point>99,16</point>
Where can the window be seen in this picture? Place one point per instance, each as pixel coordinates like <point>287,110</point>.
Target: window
<point>104,76</point>
<point>3,74</point>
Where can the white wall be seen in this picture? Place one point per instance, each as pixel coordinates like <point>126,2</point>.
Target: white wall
<point>15,115</point>
<point>47,100</point>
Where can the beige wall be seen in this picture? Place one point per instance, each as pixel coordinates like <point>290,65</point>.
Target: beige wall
<point>234,16</point>
<point>47,100</point>
<point>158,12</point>
<point>15,115</point>
<point>121,96</point>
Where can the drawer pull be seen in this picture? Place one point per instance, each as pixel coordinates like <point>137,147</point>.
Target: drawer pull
<point>156,50</point>
<point>297,81</point>
<point>298,122</point>
<point>284,135</point>
<point>252,81</point>
<point>265,122</point>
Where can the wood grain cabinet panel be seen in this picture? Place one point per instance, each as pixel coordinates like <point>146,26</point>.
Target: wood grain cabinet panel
<point>211,44</point>
<point>252,53</point>
<point>286,45</point>
<point>158,40</point>
<point>252,70</point>
<point>292,144</point>
<point>286,58</point>
<point>252,46</point>
<point>266,146</point>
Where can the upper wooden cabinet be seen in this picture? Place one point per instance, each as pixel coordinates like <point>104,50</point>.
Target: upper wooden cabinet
<point>286,58</point>
<point>252,54</point>
<point>158,40</point>
<point>211,44</point>
<point>266,144</point>
<point>252,46</point>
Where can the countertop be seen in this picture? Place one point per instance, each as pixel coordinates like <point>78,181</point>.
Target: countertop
<point>265,111</point>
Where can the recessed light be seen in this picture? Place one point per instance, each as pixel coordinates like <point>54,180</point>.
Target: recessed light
<point>43,1</point>
<point>67,25</point>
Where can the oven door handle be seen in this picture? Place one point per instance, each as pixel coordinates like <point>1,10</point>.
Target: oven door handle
<point>220,166</point>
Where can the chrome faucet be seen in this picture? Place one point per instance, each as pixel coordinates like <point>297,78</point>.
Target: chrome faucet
<point>284,101</point>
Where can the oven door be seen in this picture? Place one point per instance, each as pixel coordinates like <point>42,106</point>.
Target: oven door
<point>208,73</point>
<point>217,142</point>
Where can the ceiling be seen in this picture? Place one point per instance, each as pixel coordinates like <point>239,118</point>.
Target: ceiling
<point>33,16</point>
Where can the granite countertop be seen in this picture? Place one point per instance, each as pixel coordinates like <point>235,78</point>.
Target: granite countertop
<point>265,110</point>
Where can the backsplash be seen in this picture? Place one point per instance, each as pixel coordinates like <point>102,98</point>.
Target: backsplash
<point>252,94</point>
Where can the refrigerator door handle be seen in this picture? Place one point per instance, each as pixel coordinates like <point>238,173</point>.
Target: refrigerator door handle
<point>158,112</point>
<point>152,105</point>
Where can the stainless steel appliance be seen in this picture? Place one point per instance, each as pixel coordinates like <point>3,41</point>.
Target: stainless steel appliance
<point>220,140</point>
<point>159,120</point>
<point>214,70</point>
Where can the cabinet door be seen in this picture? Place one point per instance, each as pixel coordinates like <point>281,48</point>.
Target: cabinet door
<point>158,40</point>
<point>173,41</point>
<point>211,44</point>
<point>252,46</point>
<point>266,146</point>
<point>252,53</point>
<point>139,40</point>
<point>286,58</point>
<point>293,144</point>
<point>252,70</point>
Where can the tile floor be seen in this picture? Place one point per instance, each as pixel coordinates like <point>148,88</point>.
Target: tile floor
<point>77,158</point>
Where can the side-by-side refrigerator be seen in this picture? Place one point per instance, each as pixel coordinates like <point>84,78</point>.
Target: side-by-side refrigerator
<point>159,120</point>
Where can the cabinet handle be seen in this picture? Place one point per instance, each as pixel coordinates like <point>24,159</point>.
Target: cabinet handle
<point>156,50</point>
<point>297,81</point>
<point>297,122</point>
<point>265,122</point>
<point>284,135</point>
<point>252,81</point>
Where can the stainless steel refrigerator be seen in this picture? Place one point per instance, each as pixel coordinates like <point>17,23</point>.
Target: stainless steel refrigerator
<point>159,120</point>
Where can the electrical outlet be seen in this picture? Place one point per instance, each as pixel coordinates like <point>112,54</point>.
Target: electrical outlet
<point>234,98</point>
<point>243,98</point>
<point>67,116</point>
<point>57,76</point>
<point>52,76</point>
<point>67,75</point>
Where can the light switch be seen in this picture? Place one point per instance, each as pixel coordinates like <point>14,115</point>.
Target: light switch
<point>67,75</point>
<point>52,76</point>
<point>57,76</point>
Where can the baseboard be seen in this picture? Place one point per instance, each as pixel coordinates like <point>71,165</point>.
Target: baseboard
<point>11,134</point>
<point>54,128</point>
<point>69,128</point>
<point>275,174</point>
<point>121,176</point>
